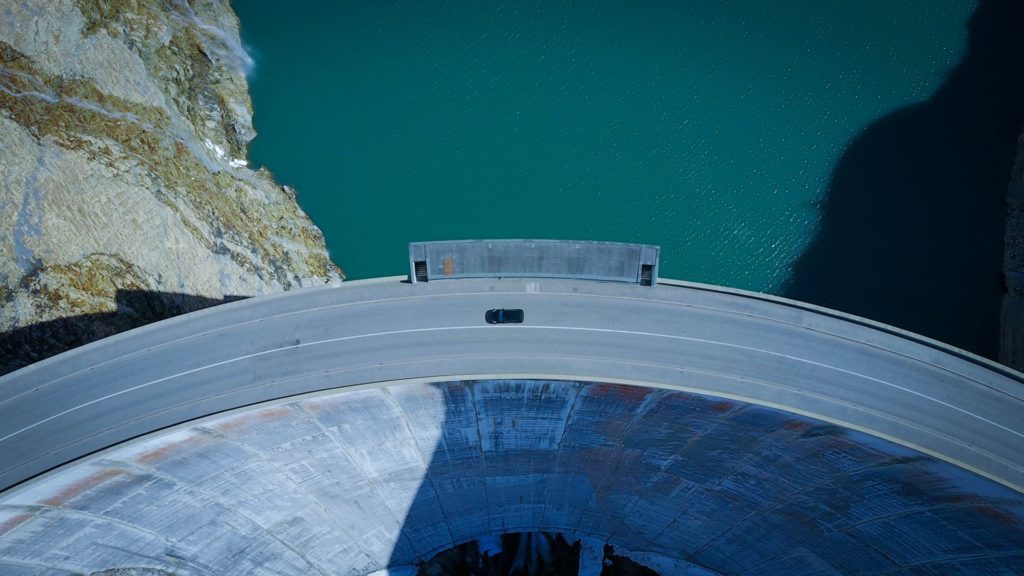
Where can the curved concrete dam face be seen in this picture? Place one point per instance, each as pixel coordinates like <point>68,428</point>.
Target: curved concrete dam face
<point>696,430</point>
<point>353,481</point>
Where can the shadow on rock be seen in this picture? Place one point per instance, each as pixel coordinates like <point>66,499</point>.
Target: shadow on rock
<point>24,346</point>
<point>912,224</point>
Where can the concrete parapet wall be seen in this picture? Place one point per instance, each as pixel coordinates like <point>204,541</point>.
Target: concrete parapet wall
<point>581,260</point>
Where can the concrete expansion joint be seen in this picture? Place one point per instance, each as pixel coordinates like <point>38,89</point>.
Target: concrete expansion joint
<point>728,476</point>
<point>483,460</point>
<point>832,480</point>
<point>298,486</point>
<point>206,496</point>
<point>342,447</point>
<point>561,437</point>
<point>427,479</point>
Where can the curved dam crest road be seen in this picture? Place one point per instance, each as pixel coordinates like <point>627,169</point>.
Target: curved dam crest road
<point>683,336</point>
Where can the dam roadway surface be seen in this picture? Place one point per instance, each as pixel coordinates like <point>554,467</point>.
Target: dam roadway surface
<point>695,338</point>
<point>700,340</point>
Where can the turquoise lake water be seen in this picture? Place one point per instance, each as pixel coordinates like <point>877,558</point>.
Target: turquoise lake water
<point>712,129</point>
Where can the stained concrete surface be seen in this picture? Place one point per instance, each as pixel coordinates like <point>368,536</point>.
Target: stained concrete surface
<point>359,479</point>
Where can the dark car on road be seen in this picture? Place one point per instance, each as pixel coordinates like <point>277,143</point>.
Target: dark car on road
<point>504,316</point>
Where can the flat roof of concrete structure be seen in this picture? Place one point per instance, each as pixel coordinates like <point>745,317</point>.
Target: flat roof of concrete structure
<point>348,430</point>
<point>578,260</point>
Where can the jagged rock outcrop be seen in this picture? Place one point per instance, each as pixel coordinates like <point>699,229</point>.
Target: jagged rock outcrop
<point>1011,337</point>
<point>125,195</point>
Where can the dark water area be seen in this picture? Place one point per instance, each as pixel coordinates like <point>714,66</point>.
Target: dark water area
<point>850,154</point>
<point>912,223</point>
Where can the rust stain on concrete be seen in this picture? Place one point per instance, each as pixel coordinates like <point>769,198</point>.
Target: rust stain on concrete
<point>722,406</point>
<point>14,522</point>
<point>248,419</point>
<point>165,450</point>
<point>631,393</point>
<point>317,405</point>
<point>795,425</point>
<point>89,482</point>
<point>993,513</point>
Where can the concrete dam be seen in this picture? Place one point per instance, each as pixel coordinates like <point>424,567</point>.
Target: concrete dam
<point>364,429</point>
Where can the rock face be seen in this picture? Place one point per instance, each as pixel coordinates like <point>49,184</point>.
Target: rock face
<point>125,195</point>
<point>1011,337</point>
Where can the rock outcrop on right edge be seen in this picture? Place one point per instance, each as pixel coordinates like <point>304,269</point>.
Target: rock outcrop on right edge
<point>1011,320</point>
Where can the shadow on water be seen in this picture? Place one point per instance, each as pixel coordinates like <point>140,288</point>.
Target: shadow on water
<point>912,224</point>
<point>24,346</point>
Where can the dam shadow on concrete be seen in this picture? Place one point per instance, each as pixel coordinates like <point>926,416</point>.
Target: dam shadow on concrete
<point>911,230</point>
<point>135,308</point>
<point>676,482</point>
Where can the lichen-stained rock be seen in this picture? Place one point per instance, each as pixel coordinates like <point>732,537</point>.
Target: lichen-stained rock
<point>123,132</point>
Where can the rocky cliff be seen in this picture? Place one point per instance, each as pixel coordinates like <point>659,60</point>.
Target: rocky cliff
<point>1011,337</point>
<point>124,188</point>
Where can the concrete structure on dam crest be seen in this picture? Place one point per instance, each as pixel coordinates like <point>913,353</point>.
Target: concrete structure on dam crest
<point>365,428</point>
